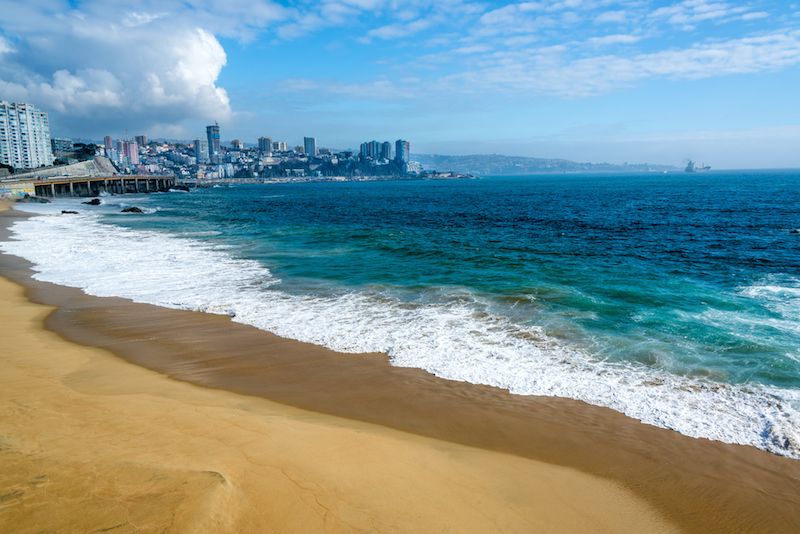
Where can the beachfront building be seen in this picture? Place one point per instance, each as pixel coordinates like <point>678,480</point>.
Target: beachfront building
<point>310,146</point>
<point>212,134</point>
<point>24,136</point>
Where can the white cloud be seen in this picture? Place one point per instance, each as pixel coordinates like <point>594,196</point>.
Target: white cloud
<point>376,90</point>
<point>5,46</point>
<point>611,17</point>
<point>613,39</point>
<point>755,15</point>
<point>135,18</point>
<point>549,70</point>
<point>394,31</point>
<point>136,67</point>
<point>689,13</point>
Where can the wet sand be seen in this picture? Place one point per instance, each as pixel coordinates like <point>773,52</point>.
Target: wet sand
<point>697,485</point>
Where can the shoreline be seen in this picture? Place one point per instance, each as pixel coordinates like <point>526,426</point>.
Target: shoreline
<point>92,443</point>
<point>701,486</point>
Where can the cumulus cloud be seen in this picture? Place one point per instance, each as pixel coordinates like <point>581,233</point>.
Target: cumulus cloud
<point>139,62</point>
<point>133,68</point>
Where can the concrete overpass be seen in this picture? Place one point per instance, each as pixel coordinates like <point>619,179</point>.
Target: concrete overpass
<point>92,186</point>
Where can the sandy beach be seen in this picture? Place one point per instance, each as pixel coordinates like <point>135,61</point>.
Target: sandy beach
<point>91,443</point>
<point>124,417</point>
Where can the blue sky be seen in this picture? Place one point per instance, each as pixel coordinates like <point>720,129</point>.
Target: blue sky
<point>590,80</point>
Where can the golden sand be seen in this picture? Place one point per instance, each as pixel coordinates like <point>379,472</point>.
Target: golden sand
<point>89,442</point>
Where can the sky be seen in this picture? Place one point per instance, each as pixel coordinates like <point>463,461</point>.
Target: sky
<point>587,80</point>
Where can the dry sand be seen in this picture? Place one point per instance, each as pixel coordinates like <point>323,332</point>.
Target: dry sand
<point>90,443</point>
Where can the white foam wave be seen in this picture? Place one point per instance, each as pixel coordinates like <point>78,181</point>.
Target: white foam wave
<point>452,339</point>
<point>780,294</point>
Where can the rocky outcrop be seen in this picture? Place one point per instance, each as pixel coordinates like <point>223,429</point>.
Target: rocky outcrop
<point>30,199</point>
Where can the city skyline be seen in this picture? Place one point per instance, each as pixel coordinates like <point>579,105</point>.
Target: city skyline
<point>585,80</point>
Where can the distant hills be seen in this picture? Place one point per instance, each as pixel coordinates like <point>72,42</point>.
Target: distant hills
<point>496,164</point>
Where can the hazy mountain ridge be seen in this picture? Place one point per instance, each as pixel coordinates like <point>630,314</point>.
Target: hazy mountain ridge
<point>497,164</point>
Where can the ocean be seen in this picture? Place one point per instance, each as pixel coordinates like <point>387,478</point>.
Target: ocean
<point>672,298</point>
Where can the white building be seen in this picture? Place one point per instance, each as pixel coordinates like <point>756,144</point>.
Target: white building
<point>24,136</point>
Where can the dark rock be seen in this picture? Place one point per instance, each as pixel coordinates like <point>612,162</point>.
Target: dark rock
<point>69,212</point>
<point>180,187</point>
<point>30,199</point>
<point>132,209</point>
<point>794,231</point>
<point>94,202</point>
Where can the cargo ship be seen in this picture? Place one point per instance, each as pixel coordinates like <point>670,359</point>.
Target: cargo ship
<point>692,167</point>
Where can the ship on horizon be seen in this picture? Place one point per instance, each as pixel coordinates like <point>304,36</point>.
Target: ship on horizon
<point>692,167</point>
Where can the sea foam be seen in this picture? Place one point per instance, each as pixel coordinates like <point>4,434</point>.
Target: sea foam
<point>453,338</point>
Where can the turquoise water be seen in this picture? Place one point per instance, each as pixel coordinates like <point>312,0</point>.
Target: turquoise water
<point>634,267</point>
<point>666,297</point>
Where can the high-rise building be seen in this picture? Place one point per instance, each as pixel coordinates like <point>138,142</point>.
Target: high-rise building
<point>402,151</point>
<point>265,145</point>
<point>119,149</point>
<point>386,150</point>
<point>24,136</point>
<point>371,149</point>
<point>131,151</point>
<point>237,144</point>
<point>280,146</point>
<point>212,133</point>
<point>108,144</point>
<point>310,146</point>
<point>201,150</point>
<point>141,140</point>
